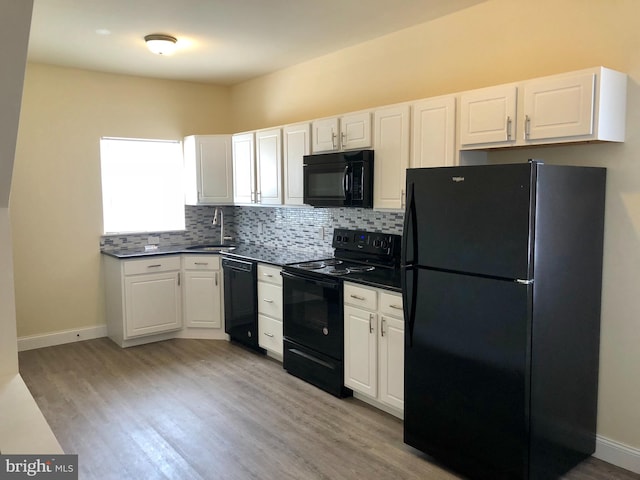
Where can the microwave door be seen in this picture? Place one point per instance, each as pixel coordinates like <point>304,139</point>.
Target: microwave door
<point>326,185</point>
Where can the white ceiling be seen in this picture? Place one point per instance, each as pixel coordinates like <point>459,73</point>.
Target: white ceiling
<point>219,41</point>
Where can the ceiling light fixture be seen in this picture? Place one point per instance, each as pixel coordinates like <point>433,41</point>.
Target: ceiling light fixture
<point>161,44</point>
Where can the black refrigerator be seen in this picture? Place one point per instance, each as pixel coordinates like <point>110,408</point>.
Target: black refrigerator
<point>502,268</point>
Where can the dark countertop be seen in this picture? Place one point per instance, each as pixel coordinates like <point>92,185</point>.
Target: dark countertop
<point>380,278</point>
<point>389,279</point>
<point>274,256</point>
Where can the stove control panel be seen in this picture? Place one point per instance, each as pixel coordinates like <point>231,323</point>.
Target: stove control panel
<point>384,244</point>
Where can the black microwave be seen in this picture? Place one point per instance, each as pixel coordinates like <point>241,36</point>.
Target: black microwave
<point>340,179</point>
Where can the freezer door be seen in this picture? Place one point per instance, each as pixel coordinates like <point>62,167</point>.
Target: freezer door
<point>466,372</point>
<point>475,219</point>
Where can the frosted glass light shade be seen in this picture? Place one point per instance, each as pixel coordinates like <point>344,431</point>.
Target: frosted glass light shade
<point>161,44</point>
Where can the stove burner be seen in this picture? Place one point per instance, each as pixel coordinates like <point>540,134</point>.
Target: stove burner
<point>332,262</point>
<point>338,271</point>
<point>312,265</point>
<point>361,268</point>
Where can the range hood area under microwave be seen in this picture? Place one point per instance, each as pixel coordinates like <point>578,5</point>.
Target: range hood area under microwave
<point>339,179</point>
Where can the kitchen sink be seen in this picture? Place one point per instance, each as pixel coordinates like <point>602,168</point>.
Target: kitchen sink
<point>212,248</point>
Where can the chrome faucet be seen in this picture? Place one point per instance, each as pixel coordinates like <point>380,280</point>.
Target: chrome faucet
<point>218,219</point>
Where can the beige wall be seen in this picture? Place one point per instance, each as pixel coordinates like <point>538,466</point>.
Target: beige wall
<point>14,30</point>
<point>497,42</point>
<point>56,204</point>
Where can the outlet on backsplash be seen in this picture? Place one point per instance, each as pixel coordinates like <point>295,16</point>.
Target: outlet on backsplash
<point>153,240</point>
<point>321,233</point>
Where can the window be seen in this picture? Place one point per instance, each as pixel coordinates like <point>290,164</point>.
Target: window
<point>142,189</point>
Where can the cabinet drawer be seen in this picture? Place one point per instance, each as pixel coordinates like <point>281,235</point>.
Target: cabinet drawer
<point>362,297</point>
<point>270,300</point>
<point>270,334</point>
<point>268,273</point>
<point>201,262</point>
<point>155,264</point>
<point>391,304</point>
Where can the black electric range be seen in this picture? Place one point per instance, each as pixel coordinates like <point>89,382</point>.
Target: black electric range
<point>313,314</point>
<point>364,257</point>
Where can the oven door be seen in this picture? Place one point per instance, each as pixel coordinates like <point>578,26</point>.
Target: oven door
<point>327,184</point>
<point>313,313</point>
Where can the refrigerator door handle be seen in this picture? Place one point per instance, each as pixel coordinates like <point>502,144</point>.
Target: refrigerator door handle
<point>409,301</point>
<point>409,223</point>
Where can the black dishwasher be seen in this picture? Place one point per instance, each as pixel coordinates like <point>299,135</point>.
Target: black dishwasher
<point>241,301</point>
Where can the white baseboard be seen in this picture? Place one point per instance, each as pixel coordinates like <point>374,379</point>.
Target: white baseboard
<point>617,454</point>
<point>58,338</point>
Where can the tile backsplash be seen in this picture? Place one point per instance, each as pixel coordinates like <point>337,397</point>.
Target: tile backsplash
<point>302,228</point>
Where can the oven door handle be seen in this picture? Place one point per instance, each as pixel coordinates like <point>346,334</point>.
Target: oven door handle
<point>329,284</point>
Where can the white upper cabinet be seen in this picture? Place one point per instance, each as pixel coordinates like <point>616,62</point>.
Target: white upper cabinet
<point>488,116</point>
<point>208,170</point>
<point>433,126</point>
<point>391,157</point>
<point>585,105</point>
<point>257,167</point>
<point>296,144</point>
<point>325,135</point>
<point>355,131</point>
<point>243,168</point>
<point>578,106</point>
<point>348,132</point>
<point>269,167</point>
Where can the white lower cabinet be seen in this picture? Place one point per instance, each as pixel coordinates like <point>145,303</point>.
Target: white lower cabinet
<point>202,284</point>
<point>374,345</point>
<point>270,309</point>
<point>144,298</point>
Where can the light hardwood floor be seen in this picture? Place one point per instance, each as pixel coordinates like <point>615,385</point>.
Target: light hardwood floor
<point>206,409</point>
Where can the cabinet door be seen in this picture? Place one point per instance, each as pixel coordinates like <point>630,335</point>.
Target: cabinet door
<point>203,299</point>
<point>210,158</point>
<point>433,128</point>
<point>153,303</point>
<point>324,135</point>
<point>559,107</point>
<point>270,334</point>
<point>488,116</point>
<point>296,144</point>
<point>391,156</point>
<point>270,300</point>
<point>360,350</point>
<point>269,167</point>
<point>243,168</point>
<point>355,131</point>
<point>391,361</point>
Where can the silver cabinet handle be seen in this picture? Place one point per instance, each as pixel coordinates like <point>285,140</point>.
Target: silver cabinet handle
<point>267,275</point>
<point>333,139</point>
<point>201,263</point>
<point>403,199</point>
<point>527,127</point>
<point>178,278</point>
<point>509,122</point>
<point>216,277</point>
<point>154,266</point>
<point>259,197</point>
<point>382,322</point>
<point>357,297</point>
<point>268,334</point>
<point>253,196</point>
<point>344,138</point>
<point>396,307</point>
<point>371,323</point>
<point>267,300</point>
